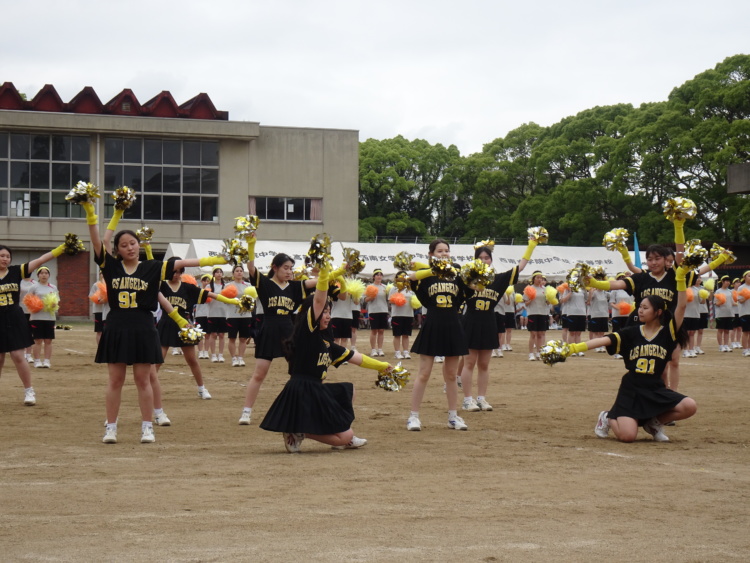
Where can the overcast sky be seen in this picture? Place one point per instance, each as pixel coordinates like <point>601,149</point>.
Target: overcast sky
<point>450,72</point>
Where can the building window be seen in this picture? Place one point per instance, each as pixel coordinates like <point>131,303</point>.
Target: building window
<point>37,172</point>
<point>174,180</point>
<point>287,208</point>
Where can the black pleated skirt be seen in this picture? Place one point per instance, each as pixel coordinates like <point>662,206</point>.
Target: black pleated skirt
<point>129,337</point>
<point>15,333</point>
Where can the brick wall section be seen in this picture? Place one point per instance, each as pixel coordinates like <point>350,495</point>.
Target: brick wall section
<point>73,282</point>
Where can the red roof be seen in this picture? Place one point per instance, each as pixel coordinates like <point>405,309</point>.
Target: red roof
<point>124,103</point>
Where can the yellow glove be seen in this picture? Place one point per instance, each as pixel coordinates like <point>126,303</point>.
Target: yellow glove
<point>342,283</point>
<point>625,254</point>
<point>679,232</point>
<point>251,248</point>
<point>91,218</point>
<point>116,216</point>
<point>176,317</point>
<point>578,347</point>
<point>227,300</point>
<point>212,261</point>
<point>529,250</point>
<point>338,272</point>
<point>322,283</point>
<point>422,274</point>
<point>419,265</point>
<point>680,275</point>
<point>58,250</point>
<point>369,363</point>
<point>720,259</point>
<point>598,284</point>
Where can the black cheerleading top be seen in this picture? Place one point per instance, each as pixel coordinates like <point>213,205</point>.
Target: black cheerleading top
<point>485,300</point>
<point>186,296</point>
<point>10,287</point>
<point>312,353</point>
<point>644,284</point>
<point>278,301</point>
<point>644,357</point>
<point>438,294</point>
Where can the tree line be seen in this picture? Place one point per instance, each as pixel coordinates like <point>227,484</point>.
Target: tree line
<point>606,167</point>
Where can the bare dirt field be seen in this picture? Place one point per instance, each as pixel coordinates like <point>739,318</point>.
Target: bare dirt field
<point>527,482</point>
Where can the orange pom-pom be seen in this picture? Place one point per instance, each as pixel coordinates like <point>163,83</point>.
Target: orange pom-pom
<point>398,299</point>
<point>624,308</point>
<point>562,288</point>
<point>734,295</point>
<point>33,303</point>
<point>745,292</point>
<point>720,298</point>
<point>530,292</point>
<point>690,296</point>
<point>187,278</point>
<point>372,291</point>
<point>229,291</point>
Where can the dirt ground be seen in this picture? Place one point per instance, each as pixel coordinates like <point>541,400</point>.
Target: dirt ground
<point>528,482</point>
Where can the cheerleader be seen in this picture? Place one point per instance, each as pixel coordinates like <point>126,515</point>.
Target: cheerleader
<point>15,335</point>
<point>691,322</point>
<point>575,317</point>
<point>509,304</point>
<point>377,307</point>
<point>217,319</point>
<point>598,307</point>
<point>441,335</point>
<point>43,319</point>
<point>129,336</point>
<point>724,313</point>
<point>538,314</point>
<point>643,398</point>
<point>307,407</point>
<point>402,315</point>
<point>280,295</point>
<point>743,298</point>
<point>239,323</point>
<point>201,317</point>
<point>480,327</point>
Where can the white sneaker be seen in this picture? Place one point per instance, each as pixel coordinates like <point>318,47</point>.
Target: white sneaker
<point>235,362</point>
<point>214,359</point>
<point>499,353</point>
<point>398,355</point>
<point>746,352</point>
<point>241,362</point>
<point>29,358</point>
<point>205,395</point>
<point>494,354</point>
<point>617,356</point>
<point>110,436</point>
<point>538,356</point>
<point>508,348</point>
<point>147,435</point>
<point>245,419</point>
<point>656,429</point>
<point>602,425</point>
<point>37,363</point>
<point>381,353</point>
<point>29,397</point>
<point>532,357</point>
<point>162,419</point>
<point>470,405</point>
<point>205,355</point>
<point>353,444</point>
<point>439,359</point>
<point>484,405</point>
<point>292,442</point>
<point>581,354</point>
<point>47,364</point>
<point>373,353</point>
<point>175,351</point>
<point>407,355</point>
<point>221,358</point>
<point>693,354</point>
<point>413,424</point>
<point>699,351</point>
<point>457,423</point>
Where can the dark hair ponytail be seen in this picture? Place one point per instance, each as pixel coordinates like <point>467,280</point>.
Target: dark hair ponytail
<point>659,304</point>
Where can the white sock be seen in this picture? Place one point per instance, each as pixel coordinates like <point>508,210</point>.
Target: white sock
<point>111,426</point>
<point>201,388</point>
<point>27,389</point>
<point>415,414</point>
<point>158,412</point>
<point>466,400</point>
<point>452,415</point>
<point>480,397</point>
<point>247,410</point>
<point>146,424</point>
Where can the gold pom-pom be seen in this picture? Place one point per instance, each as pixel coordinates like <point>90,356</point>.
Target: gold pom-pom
<point>539,234</point>
<point>489,243</point>
<point>301,273</point>
<point>191,334</point>
<point>402,282</point>
<point>576,277</point>
<point>354,264</point>
<point>598,273</point>
<point>403,260</point>
<point>145,235</point>
<point>234,251</point>
<point>554,352</point>
<point>63,327</point>
<point>717,250</point>
<point>616,239</point>
<point>679,208</point>
<point>73,245</point>
<point>124,197</point>
<point>393,380</point>
<point>477,275</point>
<point>320,252</point>
<point>247,303</point>
<point>442,268</point>
<point>83,192</point>
<point>246,226</point>
<point>695,254</point>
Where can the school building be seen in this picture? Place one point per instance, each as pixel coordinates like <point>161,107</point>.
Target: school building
<point>193,169</point>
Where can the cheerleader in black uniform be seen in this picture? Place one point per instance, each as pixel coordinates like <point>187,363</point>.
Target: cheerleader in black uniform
<point>441,335</point>
<point>130,337</point>
<point>647,348</point>
<point>480,327</point>
<point>15,335</point>
<point>307,407</point>
<point>280,295</point>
